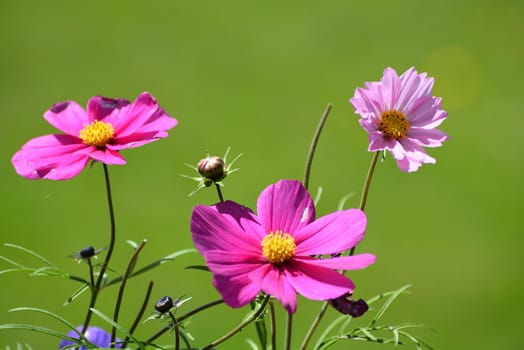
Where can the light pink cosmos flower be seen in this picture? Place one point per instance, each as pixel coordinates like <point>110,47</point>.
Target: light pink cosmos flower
<point>108,126</point>
<point>275,251</point>
<point>400,115</point>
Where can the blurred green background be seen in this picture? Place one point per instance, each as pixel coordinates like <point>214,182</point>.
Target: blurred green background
<point>256,77</point>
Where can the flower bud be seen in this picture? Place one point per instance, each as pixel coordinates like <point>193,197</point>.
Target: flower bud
<point>164,304</point>
<point>212,168</point>
<point>87,253</point>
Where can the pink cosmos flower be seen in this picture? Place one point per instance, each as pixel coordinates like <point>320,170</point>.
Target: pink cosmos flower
<point>400,116</point>
<point>275,251</point>
<point>108,126</point>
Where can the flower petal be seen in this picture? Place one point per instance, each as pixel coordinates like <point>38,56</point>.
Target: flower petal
<point>353,262</point>
<point>50,157</point>
<point>332,233</point>
<point>222,226</point>
<point>412,156</point>
<point>131,118</point>
<point>68,117</point>
<point>285,206</point>
<point>276,283</point>
<point>100,107</point>
<point>236,291</point>
<point>233,263</point>
<point>427,137</point>
<point>106,156</point>
<point>317,283</point>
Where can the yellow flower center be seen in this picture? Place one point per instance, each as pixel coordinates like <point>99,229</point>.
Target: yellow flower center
<point>97,133</point>
<point>394,124</point>
<point>278,247</point>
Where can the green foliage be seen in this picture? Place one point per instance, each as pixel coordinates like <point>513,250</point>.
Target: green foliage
<point>373,332</point>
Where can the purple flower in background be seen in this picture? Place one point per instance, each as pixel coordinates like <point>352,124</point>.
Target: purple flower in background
<point>108,126</point>
<point>275,251</point>
<point>400,115</point>
<point>97,336</point>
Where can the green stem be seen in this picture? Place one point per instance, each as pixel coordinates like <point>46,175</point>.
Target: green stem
<point>240,327</point>
<point>219,191</point>
<point>289,331</point>
<point>313,145</point>
<point>273,326</point>
<point>140,313</point>
<point>177,331</point>
<point>95,291</point>
<point>129,269</point>
<point>183,317</point>
<point>362,206</point>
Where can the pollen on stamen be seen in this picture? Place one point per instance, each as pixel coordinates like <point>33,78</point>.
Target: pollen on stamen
<point>97,133</point>
<point>278,247</point>
<point>394,124</point>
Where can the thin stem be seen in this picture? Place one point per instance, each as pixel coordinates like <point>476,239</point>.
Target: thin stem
<point>314,325</point>
<point>91,274</point>
<point>129,269</point>
<point>289,329</point>
<point>273,325</point>
<point>105,264</point>
<point>313,145</point>
<point>365,188</point>
<point>241,326</point>
<point>183,317</point>
<point>261,329</point>
<point>362,206</point>
<point>140,313</point>
<point>177,331</point>
<point>219,191</point>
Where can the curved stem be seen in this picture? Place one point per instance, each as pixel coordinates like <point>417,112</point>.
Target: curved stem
<point>241,326</point>
<point>129,268</point>
<point>140,313</point>
<point>105,264</point>
<point>362,206</point>
<point>177,331</point>
<point>289,329</point>
<point>183,317</point>
<point>313,145</point>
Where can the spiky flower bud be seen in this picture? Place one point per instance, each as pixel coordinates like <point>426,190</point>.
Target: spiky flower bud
<point>164,304</point>
<point>212,168</point>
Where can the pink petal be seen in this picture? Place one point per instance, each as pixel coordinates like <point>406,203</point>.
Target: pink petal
<point>413,156</point>
<point>68,117</point>
<point>332,233</point>
<point>427,137</point>
<point>354,262</point>
<point>159,121</point>
<point>236,291</point>
<point>131,118</point>
<point>285,206</point>
<point>105,156</point>
<point>221,227</point>
<point>50,157</point>
<point>317,283</point>
<point>233,262</point>
<point>99,107</point>
<point>136,140</point>
<point>277,284</point>
<point>389,89</point>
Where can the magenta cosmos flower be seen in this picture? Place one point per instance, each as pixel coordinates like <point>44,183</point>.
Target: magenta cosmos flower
<point>97,336</point>
<point>400,115</point>
<point>108,126</point>
<point>275,251</point>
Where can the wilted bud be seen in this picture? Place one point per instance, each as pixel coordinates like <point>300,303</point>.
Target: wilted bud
<point>164,304</point>
<point>345,305</point>
<point>212,168</point>
<point>87,253</point>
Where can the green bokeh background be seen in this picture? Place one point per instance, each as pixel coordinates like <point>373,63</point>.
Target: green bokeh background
<point>256,76</point>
